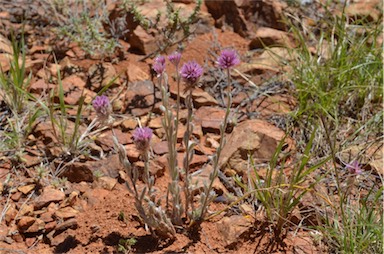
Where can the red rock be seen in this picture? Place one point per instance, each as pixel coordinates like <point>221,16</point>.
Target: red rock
<point>266,37</point>
<point>109,166</point>
<point>101,75</point>
<point>73,97</point>
<point>200,97</point>
<point>128,124</point>
<point>73,198</point>
<point>135,73</point>
<point>17,237</point>
<point>139,97</point>
<point>16,196</point>
<point>202,178</point>
<point>252,137</point>
<point>155,169</point>
<point>54,69</point>
<point>50,226</point>
<point>26,209</point>
<point>26,188</point>
<point>209,118</point>
<point>30,160</point>
<point>142,41</point>
<point>156,123</point>
<point>4,61</point>
<point>212,141</point>
<point>10,214</point>
<point>40,86</point>
<point>246,15</point>
<point>30,241</point>
<point>3,231</point>
<point>231,228</point>
<point>78,172</point>
<point>66,213</point>
<point>132,153</point>
<point>44,129</point>
<point>47,216</point>
<point>71,82</point>
<point>180,132</point>
<point>25,222</point>
<point>107,182</point>
<point>49,195</point>
<point>105,140</point>
<point>363,10</point>
<point>160,148</point>
<point>273,105</point>
<point>96,195</point>
<point>71,223</point>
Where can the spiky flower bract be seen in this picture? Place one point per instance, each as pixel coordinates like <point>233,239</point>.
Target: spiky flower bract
<point>354,168</point>
<point>142,137</point>
<point>191,72</point>
<point>102,106</point>
<point>174,58</point>
<point>228,58</point>
<point>159,65</point>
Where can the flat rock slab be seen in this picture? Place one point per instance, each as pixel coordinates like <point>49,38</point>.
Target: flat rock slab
<point>209,118</point>
<point>49,195</point>
<point>231,228</point>
<point>140,97</point>
<point>252,137</point>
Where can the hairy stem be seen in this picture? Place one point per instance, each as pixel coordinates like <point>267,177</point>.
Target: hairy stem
<point>213,176</point>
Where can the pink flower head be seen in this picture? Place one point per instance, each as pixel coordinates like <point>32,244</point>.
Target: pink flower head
<point>228,58</point>
<point>102,106</point>
<point>159,65</point>
<point>174,58</point>
<point>141,137</point>
<point>354,168</point>
<point>191,72</point>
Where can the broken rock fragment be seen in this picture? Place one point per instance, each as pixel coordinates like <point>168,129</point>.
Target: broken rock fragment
<point>49,195</point>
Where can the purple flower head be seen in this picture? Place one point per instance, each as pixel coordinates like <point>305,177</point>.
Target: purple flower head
<point>102,106</point>
<point>228,58</point>
<point>354,168</point>
<point>159,65</point>
<point>141,137</point>
<point>174,58</point>
<point>191,72</point>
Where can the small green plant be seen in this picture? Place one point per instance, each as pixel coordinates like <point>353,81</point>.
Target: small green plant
<point>23,108</point>
<point>59,182</point>
<point>339,88</point>
<point>71,143</point>
<point>279,193</point>
<point>78,24</point>
<point>125,245</point>
<point>121,216</point>
<point>341,82</point>
<point>16,83</point>
<point>75,142</point>
<point>359,228</point>
<point>98,174</point>
<point>169,33</point>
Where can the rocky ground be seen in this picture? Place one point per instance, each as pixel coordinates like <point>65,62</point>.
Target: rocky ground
<point>64,203</point>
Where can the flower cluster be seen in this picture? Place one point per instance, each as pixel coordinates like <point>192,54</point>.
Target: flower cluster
<point>174,58</point>
<point>191,72</point>
<point>142,137</point>
<point>354,168</point>
<point>102,107</point>
<point>159,65</point>
<point>228,58</point>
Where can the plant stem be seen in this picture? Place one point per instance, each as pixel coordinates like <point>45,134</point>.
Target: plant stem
<point>169,124</point>
<point>188,151</point>
<point>216,158</point>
